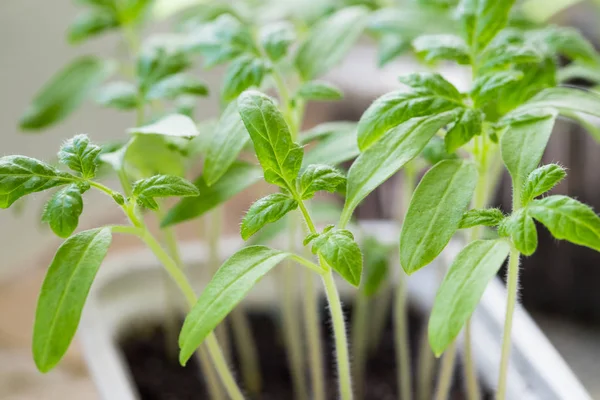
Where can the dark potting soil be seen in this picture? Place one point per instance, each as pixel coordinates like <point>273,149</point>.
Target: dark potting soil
<point>158,375</point>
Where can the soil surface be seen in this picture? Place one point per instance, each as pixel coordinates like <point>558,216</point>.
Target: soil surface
<point>158,376</point>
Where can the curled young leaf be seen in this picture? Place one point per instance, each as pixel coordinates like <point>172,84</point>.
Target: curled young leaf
<point>521,229</point>
<point>63,294</point>
<point>462,288</point>
<point>542,180</point>
<point>20,176</point>
<point>80,155</point>
<point>62,211</point>
<point>264,211</point>
<point>279,156</point>
<point>229,285</point>
<point>485,217</point>
<point>145,190</point>
<point>435,212</point>
<point>341,252</point>
<point>568,219</point>
<point>318,177</point>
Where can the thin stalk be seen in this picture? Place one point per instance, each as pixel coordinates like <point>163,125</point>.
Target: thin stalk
<point>469,366</point>
<point>312,328</point>
<point>291,324</point>
<point>426,366</point>
<point>246,349</point>
<point>359,331</point>
<point>215,390</point>
<point>446,373</point>
<point>341,341</point>
<point>380,312</point>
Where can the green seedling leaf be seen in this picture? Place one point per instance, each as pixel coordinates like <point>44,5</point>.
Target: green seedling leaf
<point>542,180</point>
<point>279,156</point>
<point>62,211</point>
<point>579,71</point>
<point>230,284</point>
<point>341,252</point>
<point>327,129</point>
<point>20,176</point>
<point>276,39</point>
<point>318,177</point>
<point>483,19</point>
<point>91,23</point>
<point>65,92</point>
<point>564,100</point>
<point>429,83</point>
<point>337,147</point>
<point>146,190</point>
<point>524,142</point>
<point>462,288</point>
<point>568,42</point>
<point>435,212</point>
<point>229,138</point>
<point>320,91</point>
<point>244,73</point>
<point>175,125</point>
<point>80,155</point>
<point>120,95</point>
<point>442,47</point>
<point>266,210</point>
<point>502,54</point>
<point>394,108</point>
<point>435,151</point>
<point>468,125</point>
<point>64,292</point>
<point>486,87</point>
<point>485,217</point>
<point>376,265</point>
<point>382,160</point>
<point>568,219</point>
<point>329,41</point>
<point>237,178</point>
<point>149,155</point>
<point>390,47</point>
<point>177,85</point>
<point>521,229</point>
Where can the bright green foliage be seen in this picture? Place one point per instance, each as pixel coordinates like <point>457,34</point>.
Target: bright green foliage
<point>317,177</point>
<point>380,161</point>
<point>62,211</point>
<point>244,73</point>
<point>226,289</point>
<point>146,190</point>
<point>338,248</point>
<point>392,109</point>
<point>238,177</point>
<point>542,180</point>
<point>435,151</point>
<point>64,292</point>
<point>177,85</point>
<point>80,155</point>
<point>468,125</point>
<point>565,100</point>
<point>329,41</point>
<point>91,23</point>
<point>266,210</point>
<point>485,217</point>
<point>568,219</point>
<point>65,92</point>
<point>429,83</point>
<point>435,212</point>
<point>483,19</point>
<point>174,125</point>
<point>376,265</point>
<point>120,95</point>
<point>150,154</point>
<point>524,142</point>
<point>276,39</point>
<point>318,90</point>
<point>279,156</point>
<point>462,288</point>
<point>442,47</point>
<point>229,138</point>
<point>487,87</point>
<point>158,60</point>
<point>568,42</point>
<point>328,129</point>
<point>20,176</point>
<point>337,144</point>
<point>521,229</point>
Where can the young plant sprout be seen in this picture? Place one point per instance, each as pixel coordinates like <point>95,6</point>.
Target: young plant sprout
<point>273,69</point>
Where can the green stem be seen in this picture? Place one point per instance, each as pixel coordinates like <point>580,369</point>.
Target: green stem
<point>512,288</point>
<point>246,348</point>
<point>312,328</point>
<point>469,366</point>
<point>426,366</point>
<point>446,373</point>
<point>215,390</point>
<point>381,311</point>
<point>341,341</point>
<point>359,330</point>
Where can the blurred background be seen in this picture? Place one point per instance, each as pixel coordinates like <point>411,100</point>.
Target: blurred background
<point>562,281</point>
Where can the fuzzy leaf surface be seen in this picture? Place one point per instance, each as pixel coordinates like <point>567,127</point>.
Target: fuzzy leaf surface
<point>319,177</point>
<point>341,252</point>
<point>264,211</point>
<point>63,210</point>
<point>80,155</point>
<point>542,180</point>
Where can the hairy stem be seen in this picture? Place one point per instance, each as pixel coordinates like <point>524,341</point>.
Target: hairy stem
<point>312,327</point>
<point>246,349</point>
<point>215,390</point>
<point>446,373</point>
<point>381,310</point>
<point>341,341</point>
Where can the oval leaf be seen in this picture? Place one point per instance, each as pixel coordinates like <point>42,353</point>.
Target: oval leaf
<point>462,288</point>
<point>316,90</point>
<point>64,292</point>
<point>79,154</point>
<point>435,212</point>
<point>230,284</point>
<point>318,177</point>
<point>63,210</point>
<point>145,190</point>
<point>542,180</point>
<point>176,125</point>
<point>341,252</point>
<point>264,211</point>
